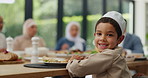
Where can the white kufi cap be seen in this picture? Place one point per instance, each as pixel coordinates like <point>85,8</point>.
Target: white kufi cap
<point>118,18</point>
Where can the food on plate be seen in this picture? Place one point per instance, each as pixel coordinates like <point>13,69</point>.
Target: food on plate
<point>7,56</point>
<point>93,52</point>
<point>61,52</point>
<point>83,52</point>
<point>54,60</point>
<point>90,52</point>
<point>76,52</point>
<point>70,53</point>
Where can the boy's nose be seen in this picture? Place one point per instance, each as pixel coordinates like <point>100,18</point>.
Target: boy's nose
<point>102,38</point>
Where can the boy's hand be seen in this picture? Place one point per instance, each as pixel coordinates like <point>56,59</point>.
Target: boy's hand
<point>77,57</point>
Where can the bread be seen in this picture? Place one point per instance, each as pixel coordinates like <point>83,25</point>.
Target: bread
<point>8,56</point>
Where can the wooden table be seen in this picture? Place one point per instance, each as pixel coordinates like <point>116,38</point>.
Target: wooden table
<point>139,66</point>
<point>19,71</point>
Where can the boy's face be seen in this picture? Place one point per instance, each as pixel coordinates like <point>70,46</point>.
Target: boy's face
<point>106,37</point>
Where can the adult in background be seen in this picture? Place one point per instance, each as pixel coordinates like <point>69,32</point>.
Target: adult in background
<point>2,36</point>
<point>132,43</point>
<point>72,39</point>
<point>24,41</point>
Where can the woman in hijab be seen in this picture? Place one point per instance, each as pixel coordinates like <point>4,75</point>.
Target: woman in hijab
<point>72,39</point>
<point>24,41</point>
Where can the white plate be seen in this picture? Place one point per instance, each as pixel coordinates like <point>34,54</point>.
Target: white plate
<point>29,58</point>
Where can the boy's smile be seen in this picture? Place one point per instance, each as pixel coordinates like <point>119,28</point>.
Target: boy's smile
<point>106,36</point>
<point>103,45</point>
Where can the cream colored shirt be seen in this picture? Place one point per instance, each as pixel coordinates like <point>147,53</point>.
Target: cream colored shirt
<point>2,41</point>
<point>107,64</point>
<point>24,41</point>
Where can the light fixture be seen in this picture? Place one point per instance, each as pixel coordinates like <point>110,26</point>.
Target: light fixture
<point>7,1</point>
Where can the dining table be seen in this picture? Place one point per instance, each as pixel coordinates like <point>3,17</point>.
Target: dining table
<point>139,66</point>
<point>19,71</point>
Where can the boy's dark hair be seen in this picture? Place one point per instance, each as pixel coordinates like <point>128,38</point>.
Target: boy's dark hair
<point>111,21</point>
<point>125,23</point>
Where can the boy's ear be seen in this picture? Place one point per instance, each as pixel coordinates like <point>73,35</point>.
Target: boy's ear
<point>94,34</point>
<point>121,38</point>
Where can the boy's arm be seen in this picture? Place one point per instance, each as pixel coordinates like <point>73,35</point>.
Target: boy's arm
<point>95,64</point>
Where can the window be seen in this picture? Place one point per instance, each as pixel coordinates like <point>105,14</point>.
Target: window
<point>45,13</point>
<point>146,24</point>
<point>128,15</point>
<point>94,14</point>
<point>112,5</point>
<point>13,15</point>
<point>72,12</point>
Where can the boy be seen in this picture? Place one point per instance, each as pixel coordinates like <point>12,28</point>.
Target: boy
<point>108,62</point>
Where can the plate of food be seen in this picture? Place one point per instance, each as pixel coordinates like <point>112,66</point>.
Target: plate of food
<point>7,57</point>
<point>12,62</point>
<point>61,53</point>
<point>54,61</point>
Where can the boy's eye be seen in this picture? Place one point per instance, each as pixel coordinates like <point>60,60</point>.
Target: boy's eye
<point>98,34</point>
<point>110,35</point>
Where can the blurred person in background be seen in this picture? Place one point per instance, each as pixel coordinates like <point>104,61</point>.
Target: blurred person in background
<point>72,39</point>
<point>24,41</point>
<point>132,43</point>
<point>2,36</point>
